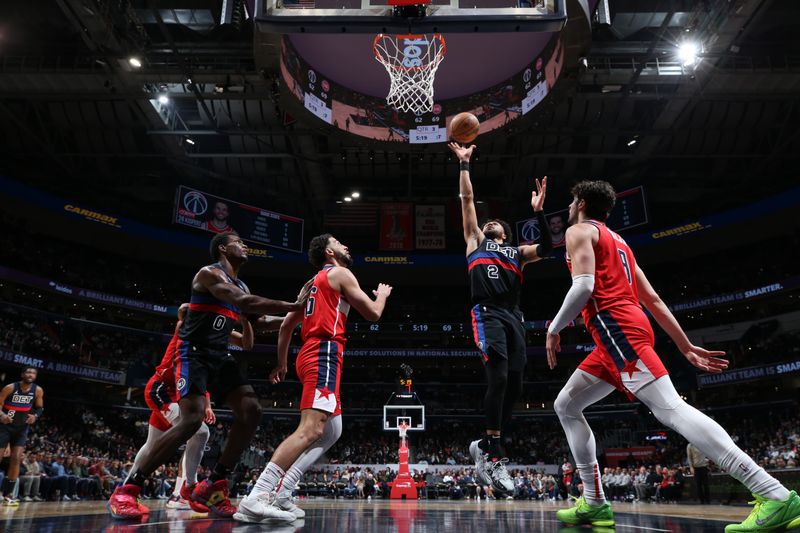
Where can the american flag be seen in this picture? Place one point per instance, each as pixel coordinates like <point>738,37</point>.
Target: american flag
<point>352,214</point>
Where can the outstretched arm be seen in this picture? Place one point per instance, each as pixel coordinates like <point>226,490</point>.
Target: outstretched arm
<point>469,219</point>
<point>545,246</point>
<point>348,284</point>
<point>708,360</point>
<point>581,254</point>
<point>213,281</point>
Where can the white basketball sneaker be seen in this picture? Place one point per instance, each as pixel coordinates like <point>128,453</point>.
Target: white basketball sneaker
<point>285,503</point>
<point>176,502</point>
<point>499,474</point>
<point>481,459</point>
<point>261,509</point>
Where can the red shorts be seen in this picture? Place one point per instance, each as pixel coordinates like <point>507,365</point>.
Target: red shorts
<point>158,396</point>
<point>624,356</point>
<point>319,367</point>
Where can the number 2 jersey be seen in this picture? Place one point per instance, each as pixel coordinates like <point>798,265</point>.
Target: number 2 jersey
<point>495,274</point>
<point>209,322</point>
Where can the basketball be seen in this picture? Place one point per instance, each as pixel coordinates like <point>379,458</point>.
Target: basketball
<point>464,128</point>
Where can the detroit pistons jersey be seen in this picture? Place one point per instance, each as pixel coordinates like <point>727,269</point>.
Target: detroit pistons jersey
<point>19,403</point>
<point>326,311</point>
<point>495,275</point>
<point>615,274</point>
<point>209,322</point>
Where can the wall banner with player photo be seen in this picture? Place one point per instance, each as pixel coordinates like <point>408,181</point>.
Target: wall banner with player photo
<point>396,227</point>
<point>629,211</point>
<point>430,228</point>
<point>204,211</point>
<point>528,231</point>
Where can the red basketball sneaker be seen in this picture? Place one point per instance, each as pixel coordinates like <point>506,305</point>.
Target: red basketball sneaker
<point>124,502</point>
<point>214,496</point>
<point>186,494</point>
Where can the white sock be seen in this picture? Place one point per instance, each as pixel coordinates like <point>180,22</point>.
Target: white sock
<point>268,480</point>
<point>709,437</point>
<point>582,390</point>
<point>592,483</point>
<point>193,453</point>
<point>178,484</point>
<point>332,432</point>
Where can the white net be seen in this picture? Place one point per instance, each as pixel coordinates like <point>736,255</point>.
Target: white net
<point>411,61</point>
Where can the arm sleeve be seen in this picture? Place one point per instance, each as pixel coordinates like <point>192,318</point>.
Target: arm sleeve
<point>545,239</point>
<point>574,301</point>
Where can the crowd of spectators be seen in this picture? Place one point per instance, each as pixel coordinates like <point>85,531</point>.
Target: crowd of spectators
<point>80,452</point>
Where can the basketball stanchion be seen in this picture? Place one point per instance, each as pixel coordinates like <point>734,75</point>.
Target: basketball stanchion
<point>404,487</point>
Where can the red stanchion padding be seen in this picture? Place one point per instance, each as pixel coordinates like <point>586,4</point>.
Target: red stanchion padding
<point>404,486</point>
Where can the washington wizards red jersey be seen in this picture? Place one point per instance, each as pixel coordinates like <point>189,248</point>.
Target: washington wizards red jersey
<point>614,276</point>
<point>326,311</point>
<point>164,371</point>
<point>495,275</point>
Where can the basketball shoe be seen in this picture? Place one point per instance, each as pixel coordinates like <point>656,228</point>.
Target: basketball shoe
<point>285,503</point>
<point>583,513</point>
<point>214,496</point>
<point>481,459</point>
<point>498,473</point>
<point>260,509</point>
<point>770,515</point>
<point>177,502</point>
<point>186,496</point>
<point>124,502</point>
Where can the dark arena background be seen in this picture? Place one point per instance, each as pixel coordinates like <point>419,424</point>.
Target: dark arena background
<point>130,127</point>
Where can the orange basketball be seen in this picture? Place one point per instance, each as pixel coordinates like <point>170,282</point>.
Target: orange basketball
<point>464,128</point>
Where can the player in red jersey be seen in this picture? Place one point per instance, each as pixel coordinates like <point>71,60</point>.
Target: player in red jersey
<point>610,289</point>
<point>319,367</point>
<point>204,363</point>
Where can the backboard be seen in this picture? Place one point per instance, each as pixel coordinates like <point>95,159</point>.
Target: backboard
<point>376,16</point>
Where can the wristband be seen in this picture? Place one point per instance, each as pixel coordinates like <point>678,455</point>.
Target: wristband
<point>463,166</point>
<point>37,411</point>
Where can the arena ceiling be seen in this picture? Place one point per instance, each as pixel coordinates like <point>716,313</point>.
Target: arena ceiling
<point>77,118</point>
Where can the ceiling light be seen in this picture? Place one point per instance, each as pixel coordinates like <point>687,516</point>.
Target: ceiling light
<point>135,62</point>
<point>190,140</point>
<point>163,99</point>
<point>356,194</point>
<point>348,199</point>
<point>687,53</point>
<point>631,142</point>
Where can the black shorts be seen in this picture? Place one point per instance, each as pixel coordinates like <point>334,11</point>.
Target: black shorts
<point>197,373</point>
<point>13,435</point>
<point>499,332</point>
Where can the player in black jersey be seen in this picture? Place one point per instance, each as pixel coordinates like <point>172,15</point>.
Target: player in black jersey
<point>22,403</point>
<point>495,273</point>
<point>202,364</point>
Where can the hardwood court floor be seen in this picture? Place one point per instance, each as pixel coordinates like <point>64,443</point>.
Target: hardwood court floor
<point>377,516</point>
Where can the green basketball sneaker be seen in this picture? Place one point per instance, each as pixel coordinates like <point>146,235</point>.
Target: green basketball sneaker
<point>769,515</point>
<point>583,513</point>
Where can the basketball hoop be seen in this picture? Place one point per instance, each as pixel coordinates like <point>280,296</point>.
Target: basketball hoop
<point>402,429</point>
<point>411,61</point>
